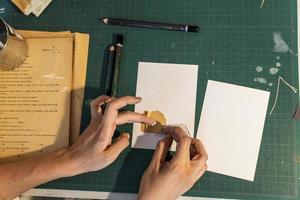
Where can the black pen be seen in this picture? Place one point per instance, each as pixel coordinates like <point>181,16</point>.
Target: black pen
<point>154,25</point>
<point>118,46</point>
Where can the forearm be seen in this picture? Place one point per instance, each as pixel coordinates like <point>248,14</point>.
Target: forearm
<point>18,177</point>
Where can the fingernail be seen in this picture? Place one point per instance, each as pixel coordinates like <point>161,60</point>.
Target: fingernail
<point>153,123</point>
<point>126,135</point>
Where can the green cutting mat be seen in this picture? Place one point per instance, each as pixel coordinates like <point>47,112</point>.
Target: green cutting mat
<point>236,37</point>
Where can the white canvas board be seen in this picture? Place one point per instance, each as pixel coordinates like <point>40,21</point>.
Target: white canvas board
<point>170,89</point>
<point>231,128</point>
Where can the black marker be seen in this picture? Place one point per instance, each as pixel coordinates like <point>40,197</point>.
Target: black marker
<point>154,25</point>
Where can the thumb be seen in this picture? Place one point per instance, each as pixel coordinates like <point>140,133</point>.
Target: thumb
<point>116,148</point>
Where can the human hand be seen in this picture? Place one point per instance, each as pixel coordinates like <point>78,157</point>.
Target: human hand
<point>167,180</point>
<point>94,149</point>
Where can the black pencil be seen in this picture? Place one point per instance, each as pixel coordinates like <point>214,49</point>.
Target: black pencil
<point>118,46</point>
<point>154,25</point>
<point>110,69</point>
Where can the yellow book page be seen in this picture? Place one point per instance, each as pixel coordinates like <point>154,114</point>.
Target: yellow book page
<point>35,100</point>
<point>44,34</point>
<point>81,50</point>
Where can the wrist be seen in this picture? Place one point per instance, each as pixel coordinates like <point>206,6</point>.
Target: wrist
<point>60,162</point>
<point>67,163</point>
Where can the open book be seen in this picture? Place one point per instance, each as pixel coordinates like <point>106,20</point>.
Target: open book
<point>41,101</point>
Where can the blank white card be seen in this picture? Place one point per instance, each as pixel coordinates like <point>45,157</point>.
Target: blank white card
<point>231,128</point>
<point>170,89</point>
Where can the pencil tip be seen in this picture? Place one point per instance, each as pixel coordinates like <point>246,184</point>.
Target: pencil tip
<point>104,20</point>
<point>119,39</point>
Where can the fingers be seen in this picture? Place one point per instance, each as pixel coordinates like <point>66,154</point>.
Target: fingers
<point>199,159</point>
<point>168,140</point>
<point>182,154</point>
<point>111,113</point>
<point>161,152</point>
<point>176,132</point>
<point>131,117</point>
<point>96,103</point>
<point>122,102</point>
<point>116,148</point>
<point>200,152</point>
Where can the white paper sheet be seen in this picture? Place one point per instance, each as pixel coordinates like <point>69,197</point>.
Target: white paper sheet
<point>231,127</point>
<point>169,88</point>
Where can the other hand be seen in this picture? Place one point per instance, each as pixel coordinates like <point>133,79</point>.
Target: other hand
<point>95,150</point>
<point>167,180</point>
